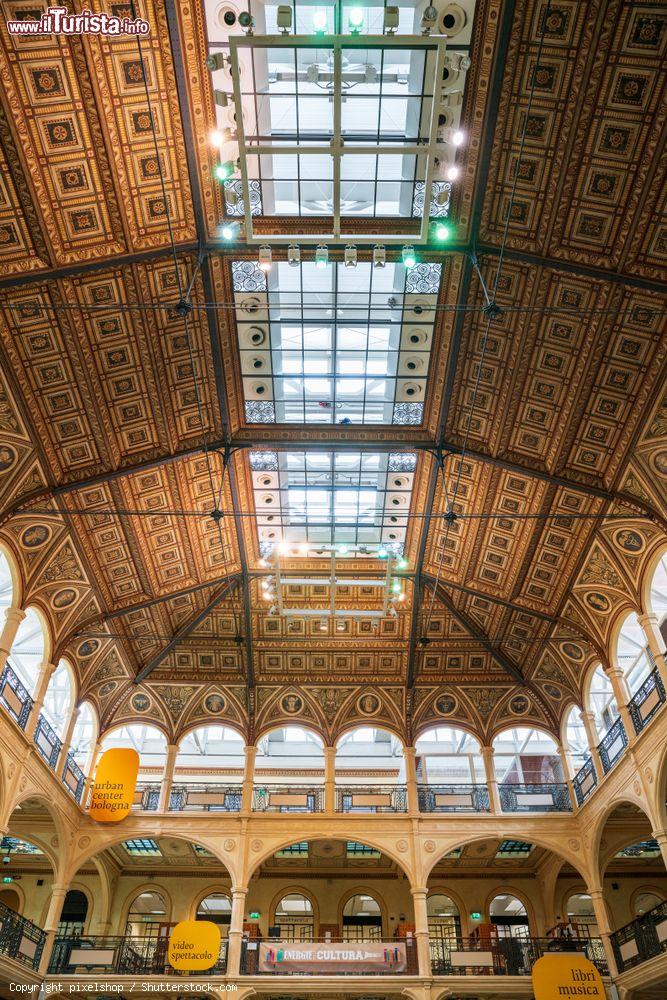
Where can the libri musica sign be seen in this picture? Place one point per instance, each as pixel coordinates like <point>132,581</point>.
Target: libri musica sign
<point>322,957</point>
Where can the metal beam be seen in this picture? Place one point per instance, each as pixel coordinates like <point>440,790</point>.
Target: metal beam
<point>184,632</point>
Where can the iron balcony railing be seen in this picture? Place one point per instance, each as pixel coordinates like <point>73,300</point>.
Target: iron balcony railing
<point>205,798</point>
<point>585,781</point>
<point>146,796</point>
<point>372,799</point>
<point>646,701</point>
<point>453,798</point>
<point>329,956</point>
<point>288,798</point>
<point>73,778</point>
<point>641,939</point>
<point>47,742</point>
<point>506,956</point>
<point>15,697</point>
<point>612,746</point>
<point>121,955</point>
<point>534,798</point>
<point>20,939</point>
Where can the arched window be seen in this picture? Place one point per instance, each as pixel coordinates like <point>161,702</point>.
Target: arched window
<point>444,919</point>
<point>632,653</point>
<point>510,916</point>
<point>83,736</point>
<point>149,742</point>
<point>362,919</point>
<point>290,746</point>
<point>526,757</point>
<point>6,587</point>
<point>575,738</point>
<point>73,914</point>
<point>368,748</point>
<point>580,912</point>
<point>295,918</point>
<point>603,703</point>
<point>218,909</point>
<point>216,747</point>
<point>59,698</point>
<point>448,756</point>
<point>10,898</point>
<point>658,591</point>
<point>27,652</point>
<point>147,912</point>
<point>645,901</point>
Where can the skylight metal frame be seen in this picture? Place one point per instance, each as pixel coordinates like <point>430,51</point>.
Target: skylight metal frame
<point>337,147</point>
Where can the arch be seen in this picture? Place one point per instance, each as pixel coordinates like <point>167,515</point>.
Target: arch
<point>30,647</point>
<point>628,646</point>
<point>463,725</point>
<point>215,889</point>
<point>198,724</point>
<point>295,890</point>
<point>442,889</point>
<point>11,583</point>
<point>353,724</point>
<point>13,897</point>
<point>645,890</point>
<point>567,854</point>
<point>152,888</point>
<point>520,768</point>
<point>364,890</point>
<point>648,576</point>
<point>57,863</point>
<point>137,736</point>
<point>444,760</point>
<point>509,890</point>
<point>74,895</point>
<point>60,696</point>
<point>84,735</point>
<point>569,913</point>
<point>573,736</point>
<point>284,842</point>
<point>600,822</point>
<point>599,697</point>
<point>309,730</point>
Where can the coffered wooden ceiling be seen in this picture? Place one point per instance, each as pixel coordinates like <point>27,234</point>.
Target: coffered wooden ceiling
<point>109,444</point>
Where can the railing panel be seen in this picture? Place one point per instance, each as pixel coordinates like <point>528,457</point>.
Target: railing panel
<point>73,778</point>
<point>20,939</point>
<point>612,746</point>
<point>453,798</point>
<point>584,781</point>
<point>288,798</point>
<point>641,939</point>
<point>375,799</point>
<point>15,697</point>
<point>534,798</point>
<point>275,957</point>
<point>506,956</point>
<point>205,798</point>
<point>646,701</point>
<point>146,796</point>
<point>121,955</point>
<point>47,741</point>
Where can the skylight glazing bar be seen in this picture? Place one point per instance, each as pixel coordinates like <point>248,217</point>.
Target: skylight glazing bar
<point>336,145</point>
<point>432,143</point>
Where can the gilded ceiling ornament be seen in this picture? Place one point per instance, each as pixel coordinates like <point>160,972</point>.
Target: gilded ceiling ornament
<point>64,566</point>
<point>291,704</point>
<point>429,846</point>
<point>229,844</point>
<point>214,704</point>
<point>629,540</point>
<point>445,704</point>
<point>485,699</point>
<point>368,704</point>
<point>330,700</point>
<point>599,570</point>
<point>598,602</point>
<point>8,457</point>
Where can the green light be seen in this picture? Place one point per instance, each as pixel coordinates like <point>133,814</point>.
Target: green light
<point>7,879</point>
<point>355,17</point>
<point>320,21</point>
<point>396,586</point>
<point>475,916</point>
<point>222,171</point>
<point>382,553</point>
<point>228,232</point>
<point>402,563</point>
<point>254,915</point>
<point>442,232</point>
<point>408,256</point>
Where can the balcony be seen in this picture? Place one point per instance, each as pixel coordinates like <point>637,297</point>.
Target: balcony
<point>15,697</point>
<point>646,701</point>
<point>506,956</point>
<point>612,745</point>
<point>205,798</point>
<point>288,799</point>
<point>145,956</point>
<point>453,798</point>
<point>585,781</point>
<point>372,799</point>
<point>535,798</point>
<point>20,939</point>
<point>642,939</point>
<point>326,957</point>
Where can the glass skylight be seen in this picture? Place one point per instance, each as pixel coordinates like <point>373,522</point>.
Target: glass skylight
<point>355,498</point>
<point>335,344</point>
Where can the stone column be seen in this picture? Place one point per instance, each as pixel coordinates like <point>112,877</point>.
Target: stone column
<point>13,618</point>
<point>655,643</point>
<point>593,737</point>
<point>604,930</point>
<point>622,695</point>
<point>46,672</point>
<point>330,780</point>
<point>67,739</point>
<point>248,778</point>
<point>409,754</point>
<point>90,777</point>
<point>58,893</point>
<point>661,837</point>
<point>491,780</point>
<point>421,930</point>
<point>235,936</point>
<point>568,773</point>
<point>168,777</point>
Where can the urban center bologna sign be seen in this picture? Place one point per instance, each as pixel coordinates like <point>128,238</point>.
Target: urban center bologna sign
<point>194,945</point>
<point>557,977</point>
<point>115,782</point>
<point>324,958</point>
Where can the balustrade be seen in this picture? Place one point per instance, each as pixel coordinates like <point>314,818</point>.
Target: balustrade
<point>120,955</point>
<point>375,799</point>
<point>641,939</point>
<point>535,797</point>
<point>288,798</point>
<point>612,746</point>
<point>73,778</point>
<point>47,741</point>
<point>20,939</point>
<point>584,781</point>
<point>506,956</point>
<point>646,701</point>
<point>205,798</point>
<point>15,697</point>
<point>453,798</point>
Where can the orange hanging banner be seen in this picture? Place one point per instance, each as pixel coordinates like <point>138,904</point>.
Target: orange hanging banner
<point>194,945</point>
<point>115,781</point>
<point>566,974</point>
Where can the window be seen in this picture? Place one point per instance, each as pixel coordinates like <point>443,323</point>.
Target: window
<point>6,586</point>
<point>513,849</point>
<point>362,919</point>
<point>13,845</point>
<point>511,919</point>
<point>27,650</point>
<point>147,912</point>
<point>448,756</point>
<point>633,655</point>
<point>58,700</point>
<point>299,850</point>
<point>218,909</point>
<point>444,921</point>
<point>295,918</point>
<point>526,756</point>
<point>142,847</point>
<point>643,849</point>
<point>356,850</point>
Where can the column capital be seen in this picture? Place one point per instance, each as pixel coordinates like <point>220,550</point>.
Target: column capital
<point>173,748</point>
<point>649,618</point>
<point>329,751</point>
<point>660,836</point>
<point>586,715</point>
<point>239,891</point>
<point>487,751</point>
<point>410,751</point>
<point>13,616</point>
<point>614,671</point>
<point>419,890</point>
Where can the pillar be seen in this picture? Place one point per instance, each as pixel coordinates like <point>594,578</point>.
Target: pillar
<point>655,643</point>
<point>602,920</point>
<point>421,931</point>
<point>250,753</point>
<point>168,777</point>
<point>491,781</point>
<point>661,837</point>
<point>67,739</point>
<point>90,777</point>
<point>568,773</point>
<point>593,737</point>
<point>410,754</point>
<point>13,618</point>
<point>46,672</point>
<point>58,893</point>
<point>235,936</point>
<point>622,695</point>
<point>330,780</point>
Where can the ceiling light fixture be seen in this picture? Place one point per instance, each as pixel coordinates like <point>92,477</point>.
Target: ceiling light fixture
<point>442,232</point>
<point>350,256</point>
<point>321,256</point>
<point>284,19</point>
<point>293,255</point>
<point>215,61</point>
<point>408,256</point>
<point>265,258</point>
<point>355,20</point>
<point>222,99</point>
<point>379,256</point>
<point>458,138</point>
<point>223,171</point>
<point>320,21</point>
<point>453,173</point>
<point>216,138</point>
<point>229,231</point>
<point>391,16</point>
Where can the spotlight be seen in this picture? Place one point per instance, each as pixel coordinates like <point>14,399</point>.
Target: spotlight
<point>265,584</point>
<point>402,563</point>
<point>379,256</point>
<point>304,548</point>
<point>216,138</point>
<point>458,138</point>
<point>429,17</point>
<point>215,61</point>
<point>401,597</point>
<point>320,21</point>
<point>284,19</point>
<point>222,99</point>
<point>247,22</point>
<point>442,232</point>
<point>265,261</point>
<point>283,547</point>
<point>453,173</point>
<point>350,256</point>
<point>321,256</point>
<point>355,20</point>
<point>267,595</point>
<point>223,171</point>
<point>229,231</point>
<point>342,550</point>
<point>396,586</point>
<point>382,552</point>
<point>390,19</point>
<point>408,256</point>
<point>293,255</point>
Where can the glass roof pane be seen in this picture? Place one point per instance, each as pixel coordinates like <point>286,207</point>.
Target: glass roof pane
<point>335,344</point>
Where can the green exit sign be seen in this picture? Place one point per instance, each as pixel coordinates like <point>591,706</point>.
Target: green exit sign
<point>7,878</point>
<point>475,916</point>
<point>254,915</point>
